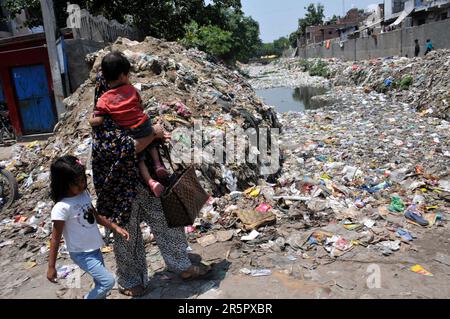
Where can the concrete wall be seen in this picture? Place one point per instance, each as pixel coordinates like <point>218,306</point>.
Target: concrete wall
<point>76,50</point>
<point>396,43</point>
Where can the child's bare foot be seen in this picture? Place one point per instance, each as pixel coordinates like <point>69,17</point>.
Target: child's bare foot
<point>161,172</point>
<point>156,187</point>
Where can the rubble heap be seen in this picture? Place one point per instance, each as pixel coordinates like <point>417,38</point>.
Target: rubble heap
<point>421,82</point>
<point>177,86</point>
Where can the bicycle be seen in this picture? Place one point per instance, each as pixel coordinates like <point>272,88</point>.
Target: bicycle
<point>9,189</point>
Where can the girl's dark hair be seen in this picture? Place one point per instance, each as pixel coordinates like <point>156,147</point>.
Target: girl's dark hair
<point>114,64</point>
<point>64,172</point>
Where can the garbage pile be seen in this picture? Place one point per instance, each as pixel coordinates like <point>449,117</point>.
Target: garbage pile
<point>421,82</point>
<point>363,173</point>
<point>177,87</point>
<point>363,176</point>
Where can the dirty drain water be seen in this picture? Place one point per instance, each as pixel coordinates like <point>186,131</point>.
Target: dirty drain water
<point>286,99</point>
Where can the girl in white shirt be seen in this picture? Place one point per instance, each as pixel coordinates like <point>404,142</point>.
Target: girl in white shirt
<point>76,219</point>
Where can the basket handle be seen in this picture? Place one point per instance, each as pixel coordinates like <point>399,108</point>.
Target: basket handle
<point>166,151</point>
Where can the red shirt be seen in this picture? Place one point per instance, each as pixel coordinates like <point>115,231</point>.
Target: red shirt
<point>124,105</point>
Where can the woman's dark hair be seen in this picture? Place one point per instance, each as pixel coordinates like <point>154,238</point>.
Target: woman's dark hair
<point>64,172</point>
<point>114,64</point>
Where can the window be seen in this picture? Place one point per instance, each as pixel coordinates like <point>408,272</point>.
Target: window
<point>330,32</point>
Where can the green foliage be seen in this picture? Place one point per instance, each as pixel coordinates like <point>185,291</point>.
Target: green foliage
<point>158,18</point>
<point>216,41</point>
<point>293,38</point>
<point>304,64</point>
<point>314,16</point>
<point>165,19</point>
<point>334,19</point>
<point>219,27</point>
<point>276,47</point>
<point>265,49</point>
<point>210,39</point>
<point>317,68</point>
<point>281,44</point>
<point>320,68</point>
<point>245,36</point>
<point>33,7</point>
<point>237,37</point>
<point>33,10</point>
<point>191,36</point>
<point>406,82</point>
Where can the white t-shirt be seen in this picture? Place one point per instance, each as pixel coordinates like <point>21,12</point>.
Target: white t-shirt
<point>80,232</point>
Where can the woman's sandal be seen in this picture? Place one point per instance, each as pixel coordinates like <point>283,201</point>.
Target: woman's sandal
<point>137,291</point>
<point>196,272</point>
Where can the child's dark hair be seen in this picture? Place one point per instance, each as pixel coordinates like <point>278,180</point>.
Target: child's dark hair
<point>64,172</point>
<point>114,64</point>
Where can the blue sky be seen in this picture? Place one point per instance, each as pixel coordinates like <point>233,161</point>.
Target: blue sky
<point>280,17</point>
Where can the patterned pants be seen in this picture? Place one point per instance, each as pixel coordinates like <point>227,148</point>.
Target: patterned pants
<point>130,255</point>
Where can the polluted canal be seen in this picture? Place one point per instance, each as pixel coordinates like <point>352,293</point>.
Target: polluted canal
<point>286,99</point>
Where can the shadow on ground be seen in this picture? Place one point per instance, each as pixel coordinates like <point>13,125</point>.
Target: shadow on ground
<point>166,285</point>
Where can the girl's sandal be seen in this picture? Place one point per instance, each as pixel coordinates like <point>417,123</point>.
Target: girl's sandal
<point>196,272</point>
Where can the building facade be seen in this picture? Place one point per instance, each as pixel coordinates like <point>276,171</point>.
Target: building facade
<point>415,12</point>
<point>327,31</point>
<point>26,83</point>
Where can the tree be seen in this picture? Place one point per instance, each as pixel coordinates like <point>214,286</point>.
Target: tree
<point>293,38</point>
<point>334,19</point>
<point>210,39</point>
<point>165,18</point>
<point>33,10</point>
<point>158,18</point>
<point>237,38</point>
<point>276,47</point>
<point>265,49</point>
<point>314,16</point>
<point>245,35</point>
<point>226,4</point>
<point>280,45</point>
<point>220,21</point>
